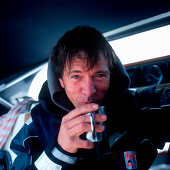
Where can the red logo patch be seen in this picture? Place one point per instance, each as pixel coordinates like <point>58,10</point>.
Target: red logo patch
<point>130,159</point>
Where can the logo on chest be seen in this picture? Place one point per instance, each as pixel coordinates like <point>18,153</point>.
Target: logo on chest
<point>130,160</point>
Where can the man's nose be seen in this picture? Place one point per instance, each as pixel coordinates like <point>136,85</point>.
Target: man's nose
<point>88,87</point>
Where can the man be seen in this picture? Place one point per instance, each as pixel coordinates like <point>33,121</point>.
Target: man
<point>83,74</point>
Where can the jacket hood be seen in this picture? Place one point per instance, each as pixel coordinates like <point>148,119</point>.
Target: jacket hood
<point>119,83</point>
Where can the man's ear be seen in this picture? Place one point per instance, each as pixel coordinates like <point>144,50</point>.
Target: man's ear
<point>61,82</point>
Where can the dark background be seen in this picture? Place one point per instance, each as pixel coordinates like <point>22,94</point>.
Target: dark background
<point>30,28</point>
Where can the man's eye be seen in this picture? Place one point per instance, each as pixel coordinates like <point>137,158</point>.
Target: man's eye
<point>100,75</point>
<point>75,77</point>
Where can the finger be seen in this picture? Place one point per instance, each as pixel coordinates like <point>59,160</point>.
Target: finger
<point>86,119</point>
<point>81,110</point>
<point>80,119</point>
<point>84,144</point>
<point>80,129</point>
<point>100,118</point>
<point>73,144</point>
<point>84,127</point>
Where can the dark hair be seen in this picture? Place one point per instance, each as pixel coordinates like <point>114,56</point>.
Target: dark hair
<point>81,39</point>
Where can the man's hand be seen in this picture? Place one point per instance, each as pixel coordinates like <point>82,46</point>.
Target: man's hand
<point>76,123</point>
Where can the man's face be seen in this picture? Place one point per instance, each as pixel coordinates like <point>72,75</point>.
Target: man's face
<point>83,85</point>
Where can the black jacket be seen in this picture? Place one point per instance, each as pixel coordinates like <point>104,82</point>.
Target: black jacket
<point>133,132</point>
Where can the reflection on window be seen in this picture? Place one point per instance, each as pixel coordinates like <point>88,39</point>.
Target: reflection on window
<point>37,83</point>
<point>143,46</point>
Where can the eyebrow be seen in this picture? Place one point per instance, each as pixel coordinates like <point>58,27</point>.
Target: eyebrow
<point>104,72</point>
<point>74,71</point>
<point>78,71</point>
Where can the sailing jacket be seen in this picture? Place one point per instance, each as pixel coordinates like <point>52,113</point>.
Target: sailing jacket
<point>136,126</point>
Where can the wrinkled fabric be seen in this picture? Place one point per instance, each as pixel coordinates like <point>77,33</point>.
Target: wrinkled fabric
<point>8,120</point>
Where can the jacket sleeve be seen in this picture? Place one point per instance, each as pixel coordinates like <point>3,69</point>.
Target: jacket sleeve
<point>30,154</point>
<point>19,145</point>
<point>154,97</point>
<point>154,113</point>
<point>54,157</point>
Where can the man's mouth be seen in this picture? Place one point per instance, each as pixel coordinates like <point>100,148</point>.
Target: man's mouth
<point>87,102</point>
